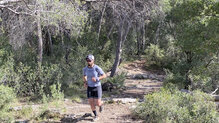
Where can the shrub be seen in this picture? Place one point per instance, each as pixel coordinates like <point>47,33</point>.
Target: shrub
<point>163,55</point>
<point>154,55</point>
<point>29,81</point>
<point>205,78</point>
<point>118,80</point>
<point>7,96</point>
<point>177,79</point>
<point>175,106</point>
<point>56,92</point>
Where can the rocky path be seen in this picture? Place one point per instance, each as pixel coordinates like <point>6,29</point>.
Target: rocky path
<point>139,81</point>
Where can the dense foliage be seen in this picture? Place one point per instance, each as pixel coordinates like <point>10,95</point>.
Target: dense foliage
<point>170,106</point>
<point>187,45</point>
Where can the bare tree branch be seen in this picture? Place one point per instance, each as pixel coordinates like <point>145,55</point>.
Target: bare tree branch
<point>16,12</point>
<point>214,91</point>
<point>100,22</point>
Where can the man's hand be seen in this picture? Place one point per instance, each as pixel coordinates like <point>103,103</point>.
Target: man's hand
<point>94,79</point>
<point>85,85</point>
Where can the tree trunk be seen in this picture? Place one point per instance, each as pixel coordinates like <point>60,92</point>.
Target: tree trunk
<point>50,42</point>
<point>123,32</point>
<point>118,52</point>
<point>189,62</point>
<point>40,39</point>
<point>157,33</point>
<point>140,30</point>
<point>143,37</point>
<point>138,38</point>
<point>101,18</point>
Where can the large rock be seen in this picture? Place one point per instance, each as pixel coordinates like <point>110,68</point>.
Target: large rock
<point>140,76</point>
<point>149,76</point>
<point>72,118</point>
<point>125,100</point>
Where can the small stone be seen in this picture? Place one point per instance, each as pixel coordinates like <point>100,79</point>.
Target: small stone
<point>132,107</point>
<point>24,121</point>
<point>66,100</point>
<point>139,86</point>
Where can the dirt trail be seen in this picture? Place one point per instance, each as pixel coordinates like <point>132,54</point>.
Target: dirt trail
<point>137,88</point>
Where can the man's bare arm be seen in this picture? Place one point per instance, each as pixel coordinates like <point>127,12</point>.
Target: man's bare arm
<point>102,76</point>
<point>85,81</point>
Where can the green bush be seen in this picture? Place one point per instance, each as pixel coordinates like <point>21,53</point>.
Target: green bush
<point>56,92</point>
<point>205,78</point>
<point>154,55</point>
<point>195,76</point>
<point>7,96</point>
<point>175,78</point>
<point>27,80</point>
<point>163,55</point>
<point>177,107</point>
<point>118,80</point>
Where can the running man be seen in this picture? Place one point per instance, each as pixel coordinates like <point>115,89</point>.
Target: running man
<point>92,76</point>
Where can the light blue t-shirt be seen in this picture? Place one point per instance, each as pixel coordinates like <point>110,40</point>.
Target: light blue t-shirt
<point>94,71</point>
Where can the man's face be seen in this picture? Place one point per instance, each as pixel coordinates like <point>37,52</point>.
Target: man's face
<point>90,62</point>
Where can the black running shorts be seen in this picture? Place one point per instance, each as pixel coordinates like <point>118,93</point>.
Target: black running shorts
<point>94,92</point>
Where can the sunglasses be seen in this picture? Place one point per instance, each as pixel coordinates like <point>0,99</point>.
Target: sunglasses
<point>88,60</point>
